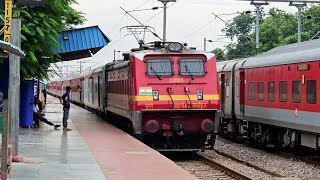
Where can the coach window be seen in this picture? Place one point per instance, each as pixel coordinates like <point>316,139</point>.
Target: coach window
<point>283,91</point>
<point>159,67</point>
<point>251,90</point>
<point>191,67</point>
<point>227,87</point>
<point>296,91</point>
<point>311,91</point>
<point>271,90</point>
<point>260,91</point>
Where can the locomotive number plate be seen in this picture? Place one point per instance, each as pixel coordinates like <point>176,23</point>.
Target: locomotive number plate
<point>176,80</point>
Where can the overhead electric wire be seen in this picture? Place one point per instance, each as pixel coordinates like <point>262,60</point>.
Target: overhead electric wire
<point>142,4</point>
<point>161,12</point>
<point>117,24</point>
<point>141,24</point>
<point>247,37</point>
<point>125,16</point>
<point>198,29</point>
<point>118,40</point>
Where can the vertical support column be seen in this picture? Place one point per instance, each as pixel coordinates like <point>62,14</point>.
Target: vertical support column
<point>299,6</point>
<point>14,86</point>
<point>257,25</point>
<point>165,2</point>
<point>164,21</point>
<point>299,23</point>
<point>5,137</point>
<point>81,61</point>
<point>258,5</point>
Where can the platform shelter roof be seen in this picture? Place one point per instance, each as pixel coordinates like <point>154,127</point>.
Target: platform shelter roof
<point>81,43</point>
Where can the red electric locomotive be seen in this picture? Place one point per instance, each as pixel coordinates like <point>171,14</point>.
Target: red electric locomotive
<point>165,93</point>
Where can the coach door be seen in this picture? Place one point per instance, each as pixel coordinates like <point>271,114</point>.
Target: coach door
<point>131,87</point>
<point>222,92</point>
<point>242,92</point>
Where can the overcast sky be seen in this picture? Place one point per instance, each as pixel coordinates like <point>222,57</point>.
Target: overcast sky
<point>188,21</point>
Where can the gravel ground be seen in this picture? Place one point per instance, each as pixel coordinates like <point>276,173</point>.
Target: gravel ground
<point>274,163</point>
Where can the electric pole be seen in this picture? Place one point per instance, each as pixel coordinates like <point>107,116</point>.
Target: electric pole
<point>165,2</point>
<point>258,5</point>
<point>299,6</point>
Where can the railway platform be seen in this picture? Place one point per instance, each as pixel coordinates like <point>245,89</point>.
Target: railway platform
<point>93,150</point>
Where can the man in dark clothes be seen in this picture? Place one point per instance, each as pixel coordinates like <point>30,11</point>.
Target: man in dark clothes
<point>37,116</point>
<point>66,108</point>
<point>44,91</point>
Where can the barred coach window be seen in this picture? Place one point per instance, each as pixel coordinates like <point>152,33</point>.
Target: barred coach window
<point>251,90</point>
<point>159,67</point>
<point>260,91</point>
<point>296,91</point>
<point>311,91</point>
<point>193,67</point>
<point>271,90</point>
<point>283,91</point>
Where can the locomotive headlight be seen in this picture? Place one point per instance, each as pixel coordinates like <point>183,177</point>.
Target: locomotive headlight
<point>200,94</point>
<point>155,94</point>
<point>174,47</point>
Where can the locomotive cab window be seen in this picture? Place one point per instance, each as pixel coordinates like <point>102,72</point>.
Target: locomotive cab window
<point>191,67</point>
<point>283,91</point>
<point>296,91</point>
<point>251,90</point>
<point>311,91</point>
<point>260,91</point>
<point>159,67</point>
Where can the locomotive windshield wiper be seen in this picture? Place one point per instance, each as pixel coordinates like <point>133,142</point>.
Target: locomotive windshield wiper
<point>155,73</point>
<point>189,72</point>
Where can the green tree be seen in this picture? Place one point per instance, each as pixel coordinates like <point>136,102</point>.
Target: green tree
<point>277,28</point>
<point>220,55</point>
<point>240,26</point>
<point>240,29</point>
<point>39,33</point>
<point>311,20</point>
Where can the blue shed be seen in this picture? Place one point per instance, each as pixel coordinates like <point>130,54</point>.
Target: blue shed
<point>81,43</point>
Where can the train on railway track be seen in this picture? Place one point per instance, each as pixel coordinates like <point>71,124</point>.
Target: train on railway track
<point>165,94</point>
<point>272,98</point>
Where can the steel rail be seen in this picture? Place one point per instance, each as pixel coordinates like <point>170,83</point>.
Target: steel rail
<point>223,168</point>
<point>273,174</point>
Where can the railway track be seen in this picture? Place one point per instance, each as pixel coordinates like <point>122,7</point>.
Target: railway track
<point>305,155</point>
<point>205,169</point>
<point>312,160</point>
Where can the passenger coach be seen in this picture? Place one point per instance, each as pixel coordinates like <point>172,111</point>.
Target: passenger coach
<point>272,98</point>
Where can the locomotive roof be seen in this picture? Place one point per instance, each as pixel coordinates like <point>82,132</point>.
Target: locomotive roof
<point>294,53</point>
<point>142,54</point>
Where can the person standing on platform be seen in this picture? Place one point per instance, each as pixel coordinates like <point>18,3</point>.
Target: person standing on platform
<point>44,91</point>
<point>66,108</point>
